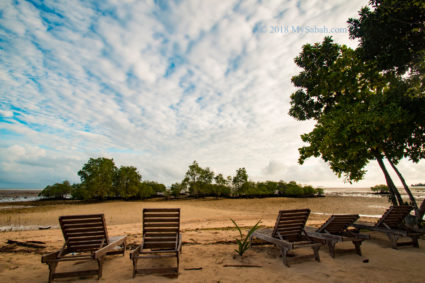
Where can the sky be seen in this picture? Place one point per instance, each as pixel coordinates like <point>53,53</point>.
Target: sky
<point>159,84</point>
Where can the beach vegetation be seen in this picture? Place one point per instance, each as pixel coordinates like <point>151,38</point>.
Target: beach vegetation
<point>97,178</point>
<point>101,180</point>
<point>244,241</point>
<point>56,191</point>
<point>380,189</point>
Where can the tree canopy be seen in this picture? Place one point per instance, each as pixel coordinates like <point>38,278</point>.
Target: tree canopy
<point>362,114</point>
<point>391,32</point>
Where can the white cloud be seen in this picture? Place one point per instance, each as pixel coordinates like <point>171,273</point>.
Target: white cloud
<point>99,80</point>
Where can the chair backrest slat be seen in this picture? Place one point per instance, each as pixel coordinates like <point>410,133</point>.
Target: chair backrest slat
<point>84,232</point>
<point>394,216</point>
<point>337,224</point>
<point>290,224</point>
<point>161,227</point>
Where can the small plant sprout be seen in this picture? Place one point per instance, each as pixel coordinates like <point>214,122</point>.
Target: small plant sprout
<point>243,243</point>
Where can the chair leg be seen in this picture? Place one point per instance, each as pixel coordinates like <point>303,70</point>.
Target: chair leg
<point>331,245</point>
<point>393,238</point>
<point>178,263</point>
<point>100,266</point>
<point>415,242</point>
<point>134,265</point>
<point>52,269</point>
<point>316,253</point>
<point>124,248</point>
<point>284,257</point>
<point>357,245</point>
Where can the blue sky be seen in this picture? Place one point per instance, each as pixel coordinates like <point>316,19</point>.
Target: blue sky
<point>158,84</point>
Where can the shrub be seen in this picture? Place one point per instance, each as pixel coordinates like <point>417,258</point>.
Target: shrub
<point>56,191</point>
<point>380,189</point>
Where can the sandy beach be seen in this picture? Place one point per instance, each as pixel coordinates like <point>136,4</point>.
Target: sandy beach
<point>209,242</point>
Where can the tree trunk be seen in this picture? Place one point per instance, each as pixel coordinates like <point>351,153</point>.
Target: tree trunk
<point>394,194</point>
<point>421,211</point>
<point>406,188</point>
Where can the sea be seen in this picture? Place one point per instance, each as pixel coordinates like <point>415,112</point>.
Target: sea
<point>20,195</point>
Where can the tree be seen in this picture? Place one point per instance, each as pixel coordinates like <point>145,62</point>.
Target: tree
<point>198,180</point>
<point>97,177</point>
<point>175,189</point>
<point>56,191</point>
<point>392,33</point>
<point>239,180</point>
<point>361,113</point>
<point>127,182</point>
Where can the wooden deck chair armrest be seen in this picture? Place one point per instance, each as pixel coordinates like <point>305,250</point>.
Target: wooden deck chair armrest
<point>49,257</point>
<point>316,236</point>
<point>135,253</point>
<point>62,249</point>
<point>363,226</point>
<point>349,233</point>
<point>101,252</point>
<point>283,243</point>
<point>305,234</point>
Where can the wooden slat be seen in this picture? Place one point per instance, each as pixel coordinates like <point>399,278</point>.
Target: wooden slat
<point>82,221</point>
<point>76,226</point>
<point>286,222</point>
<point>157,234</point>
<point>156,245</point>
<point>159,239</point>
<point>148,230</point>
<point>153,220</point>
<point>291,219</point>
<point>162,225</point>
<point>161,210</point>
<point>85,216</point>
<point>161,215</point>
<point>298,224</point>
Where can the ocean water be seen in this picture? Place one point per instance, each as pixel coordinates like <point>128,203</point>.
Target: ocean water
<point>16,195</point>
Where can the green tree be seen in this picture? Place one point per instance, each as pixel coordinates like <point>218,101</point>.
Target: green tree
<point>56,191</point>
<point>197,180</point>
<point>97,178</point>
<point>360,113</point>
<point>239,180</point>
<point>391,32</point>
<point>127,182</point>
<point>176,189</point>
<point>155,186</point>
<point>221,187</point>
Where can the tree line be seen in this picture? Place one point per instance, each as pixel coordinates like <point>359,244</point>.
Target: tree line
<point>101,179</point>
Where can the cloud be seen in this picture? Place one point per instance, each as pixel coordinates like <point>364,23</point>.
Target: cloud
<point>157,86</point>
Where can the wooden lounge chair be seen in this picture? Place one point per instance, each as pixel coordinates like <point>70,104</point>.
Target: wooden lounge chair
<point>86,238</point>
<point>289,234</point>
<point>161,238</point>
<point>335,230</point>
<point>391,223</point>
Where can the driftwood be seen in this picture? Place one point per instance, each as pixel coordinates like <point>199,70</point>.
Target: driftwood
<point>44,227</point>
<point>194,268</point>
<point>28,244</point>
